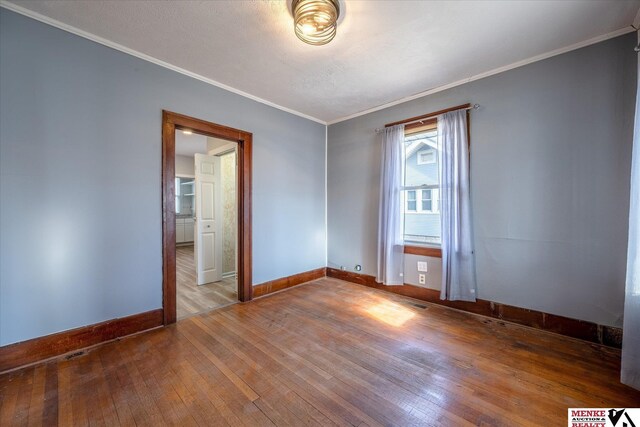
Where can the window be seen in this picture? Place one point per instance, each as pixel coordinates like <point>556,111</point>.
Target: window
<point>426,157</point>
<point>411,200</point>
<point>421,188</point>
<point>184,195</point>
<point>427,201</point>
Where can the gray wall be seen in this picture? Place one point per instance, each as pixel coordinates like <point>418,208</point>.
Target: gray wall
<point>550,165</point>
<point>80,153</point>
<point>433,276</point>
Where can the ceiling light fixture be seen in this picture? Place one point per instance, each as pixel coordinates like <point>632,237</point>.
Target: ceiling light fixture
<point>187,132</point>
<point>315,21</point>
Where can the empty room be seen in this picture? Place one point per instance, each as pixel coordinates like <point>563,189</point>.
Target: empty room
<point>320,212</point>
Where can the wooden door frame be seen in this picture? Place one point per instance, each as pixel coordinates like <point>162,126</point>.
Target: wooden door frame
<point>170,123</point>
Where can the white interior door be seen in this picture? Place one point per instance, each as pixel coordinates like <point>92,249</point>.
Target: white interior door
<point>208,224</point>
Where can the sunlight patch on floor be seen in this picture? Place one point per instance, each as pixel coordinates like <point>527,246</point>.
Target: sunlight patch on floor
<point>390,313</point>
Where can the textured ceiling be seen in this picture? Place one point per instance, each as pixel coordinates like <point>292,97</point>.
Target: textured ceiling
<point>384,50</point>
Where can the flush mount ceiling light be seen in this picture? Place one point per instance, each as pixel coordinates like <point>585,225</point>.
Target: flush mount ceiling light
<point>315,21</point>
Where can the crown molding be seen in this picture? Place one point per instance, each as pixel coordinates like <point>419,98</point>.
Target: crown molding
<point>499,70</point>
<point>97,39</point>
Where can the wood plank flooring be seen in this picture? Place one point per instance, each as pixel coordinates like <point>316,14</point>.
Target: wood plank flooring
<point>191,298</point>
<point>325,353</point>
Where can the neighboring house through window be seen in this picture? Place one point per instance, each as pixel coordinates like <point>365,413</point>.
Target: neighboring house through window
<point>421,186</point>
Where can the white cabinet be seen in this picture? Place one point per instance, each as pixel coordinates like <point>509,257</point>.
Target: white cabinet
<point>188,229</point>
<point>179,230</point>
<point>184,230</point>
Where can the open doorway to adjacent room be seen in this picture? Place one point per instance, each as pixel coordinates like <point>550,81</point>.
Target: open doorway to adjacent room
<point>206,217</point>
<point>206,172</point>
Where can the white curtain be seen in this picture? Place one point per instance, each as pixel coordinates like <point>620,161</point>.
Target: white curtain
<point>631,332</point>
<point>458,261</point>
<point>390,220</point>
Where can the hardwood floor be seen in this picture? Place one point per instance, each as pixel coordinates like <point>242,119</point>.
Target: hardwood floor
<point>191,298</point>
<point>325,353</point>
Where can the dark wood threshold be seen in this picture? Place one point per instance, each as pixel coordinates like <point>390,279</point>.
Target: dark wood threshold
<point>423,250</point>
<point>288,282</point>
<point>38,349</point>
<point>588,331</point>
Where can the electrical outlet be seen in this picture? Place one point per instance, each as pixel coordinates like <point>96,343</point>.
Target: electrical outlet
<point>422,279</point>
<point>422,266</point>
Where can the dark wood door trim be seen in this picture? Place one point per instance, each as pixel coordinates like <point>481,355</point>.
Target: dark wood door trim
<point>171,122</point>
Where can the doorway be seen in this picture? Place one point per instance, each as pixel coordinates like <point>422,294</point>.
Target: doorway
<point>206,173</point>
<point>206,215</point>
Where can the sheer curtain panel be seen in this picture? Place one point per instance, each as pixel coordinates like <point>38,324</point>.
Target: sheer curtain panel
<point>390,218</point>
<point>458,260</point>
<point>631,329</point>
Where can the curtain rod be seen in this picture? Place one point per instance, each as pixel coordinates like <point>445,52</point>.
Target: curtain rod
<point>430,116</point>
